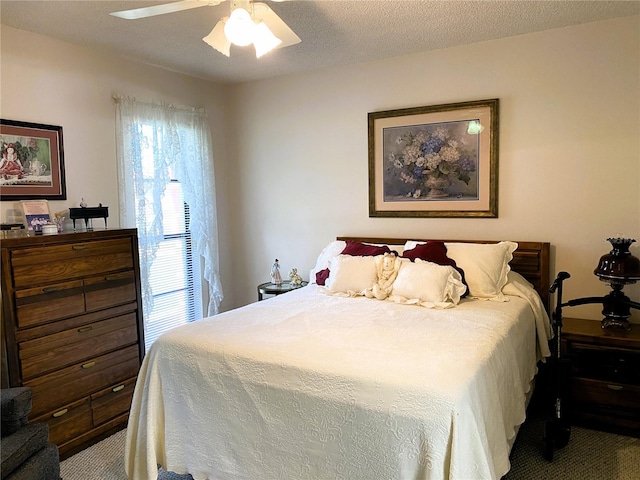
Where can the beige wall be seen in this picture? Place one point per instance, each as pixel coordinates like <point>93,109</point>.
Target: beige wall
<point>52,82</point>
<point>569,155</point>
<point>291,153</point>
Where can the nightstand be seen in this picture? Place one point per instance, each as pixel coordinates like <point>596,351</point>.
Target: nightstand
<point>269,288</point>
<point>604,389</point>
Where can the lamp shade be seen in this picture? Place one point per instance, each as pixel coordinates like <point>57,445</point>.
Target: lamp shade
<point>240,29</point>
<point>264,39</point>
<point>619,265</point>
<point>218,40</point>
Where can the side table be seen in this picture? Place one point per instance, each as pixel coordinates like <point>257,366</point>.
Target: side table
<point>269,288</point>
<point>604,389</point>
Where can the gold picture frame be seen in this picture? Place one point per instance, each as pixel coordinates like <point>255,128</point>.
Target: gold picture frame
<point>434,161</point>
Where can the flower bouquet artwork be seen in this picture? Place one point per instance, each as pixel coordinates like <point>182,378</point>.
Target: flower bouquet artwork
<point>434,161</point>
<point>431,162</point>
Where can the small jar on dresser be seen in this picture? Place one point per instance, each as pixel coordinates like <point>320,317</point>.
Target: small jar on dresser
<point>72,330</point>
<point>604,389</point>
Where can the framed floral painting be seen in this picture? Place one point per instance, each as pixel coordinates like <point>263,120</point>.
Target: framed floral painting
<point>434,161</point>
<point>32,163</point>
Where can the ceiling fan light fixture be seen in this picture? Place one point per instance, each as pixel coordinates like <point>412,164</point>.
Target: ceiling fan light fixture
<point>240,28</point>
<point>218,40</point>
<point>264,39</point>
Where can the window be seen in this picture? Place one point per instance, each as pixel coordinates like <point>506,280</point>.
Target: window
<point>175,271</point>
<point>167,192</point>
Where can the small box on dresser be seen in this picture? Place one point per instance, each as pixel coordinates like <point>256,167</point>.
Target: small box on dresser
<point>72,330</point>
<point>604,389</point>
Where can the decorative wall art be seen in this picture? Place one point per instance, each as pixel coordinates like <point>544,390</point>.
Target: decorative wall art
<point>32,164</point>
<point>434,161</point>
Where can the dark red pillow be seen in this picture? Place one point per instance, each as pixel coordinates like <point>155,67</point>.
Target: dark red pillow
<point>321,276</point>
<point>436,252</point>
<point>364,250</point>
<point>432,251</point>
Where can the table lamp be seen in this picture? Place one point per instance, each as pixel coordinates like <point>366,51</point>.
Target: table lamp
<point>618,268</point>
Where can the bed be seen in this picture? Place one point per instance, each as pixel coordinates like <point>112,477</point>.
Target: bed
<point>322,384</point>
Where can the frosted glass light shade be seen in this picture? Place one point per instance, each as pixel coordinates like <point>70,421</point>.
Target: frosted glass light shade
<point>240,29</point>
<point>218,40</point>
<point>264,39</point>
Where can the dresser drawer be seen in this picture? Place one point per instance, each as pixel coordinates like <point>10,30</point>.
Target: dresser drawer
<point>112,401</point>
<point>68,421</point>
<point>605,363</point>
<point>43,265</point>
<point>42,355</point>
<point>609,394</point>
<point>109,290</point>
<point>39,305</point>
<point>65,385</point>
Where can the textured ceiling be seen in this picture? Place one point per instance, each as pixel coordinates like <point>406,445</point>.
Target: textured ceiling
<point>333,32</point>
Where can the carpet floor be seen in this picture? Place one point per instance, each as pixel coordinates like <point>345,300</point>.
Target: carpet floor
<point>590,455</point>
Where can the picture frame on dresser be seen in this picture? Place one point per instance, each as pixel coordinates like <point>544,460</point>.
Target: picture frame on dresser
<point>434,161</point>
<point>36,214</point>
<point>32,163</point>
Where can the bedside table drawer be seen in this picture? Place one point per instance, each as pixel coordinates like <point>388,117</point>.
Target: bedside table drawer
<point>612,395</point>
<point>615,365</point>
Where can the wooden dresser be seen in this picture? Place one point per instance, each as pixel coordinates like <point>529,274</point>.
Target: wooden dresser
<point>72,330</point>
<point>604,389</point>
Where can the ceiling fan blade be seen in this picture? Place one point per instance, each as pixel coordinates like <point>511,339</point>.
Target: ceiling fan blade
<point>162,9</point>
<point>261,11</point>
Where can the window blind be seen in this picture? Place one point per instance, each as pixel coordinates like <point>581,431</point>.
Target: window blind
<point>175,271</point>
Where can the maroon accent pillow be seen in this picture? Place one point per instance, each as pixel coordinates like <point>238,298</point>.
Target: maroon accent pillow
<point>435,252</point>
<point>432,251</point>
<point>321,276</point>
<point>364,250</point>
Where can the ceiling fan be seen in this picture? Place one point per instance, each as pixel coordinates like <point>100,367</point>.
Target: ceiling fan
<point>249,23</point>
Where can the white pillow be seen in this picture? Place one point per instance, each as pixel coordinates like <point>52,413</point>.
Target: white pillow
<point>351,273</point>
<point>428,282</point>
<point>333,249</point>
<point>485,266</point>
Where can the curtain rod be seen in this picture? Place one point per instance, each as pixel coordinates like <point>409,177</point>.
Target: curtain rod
<point>154,103</point>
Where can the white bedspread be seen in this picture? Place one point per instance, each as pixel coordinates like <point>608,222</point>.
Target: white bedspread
<point>310,386</point>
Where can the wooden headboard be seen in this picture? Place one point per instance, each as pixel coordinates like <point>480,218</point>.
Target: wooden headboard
<point>531,259</point>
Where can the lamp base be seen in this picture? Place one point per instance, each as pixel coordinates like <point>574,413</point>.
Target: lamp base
<point>612,322</point>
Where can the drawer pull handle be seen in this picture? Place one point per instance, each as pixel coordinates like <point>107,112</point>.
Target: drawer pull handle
<point>615,387</point>
<point>88,365</point>
<point>51,289</point>
<point>110,279</point>
<point>79,247</point>
<point>60,413</point>
<point>85,329</point>
<point>118,388</point>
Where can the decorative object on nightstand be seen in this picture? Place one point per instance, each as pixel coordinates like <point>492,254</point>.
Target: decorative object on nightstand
<point>276,278</point>
<point>618,268</point>
<point>294,278</point>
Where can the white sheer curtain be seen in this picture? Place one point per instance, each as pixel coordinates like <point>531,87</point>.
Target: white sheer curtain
<point>181,143</point>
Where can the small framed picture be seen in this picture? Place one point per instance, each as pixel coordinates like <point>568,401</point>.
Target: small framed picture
<point>36,214</point>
